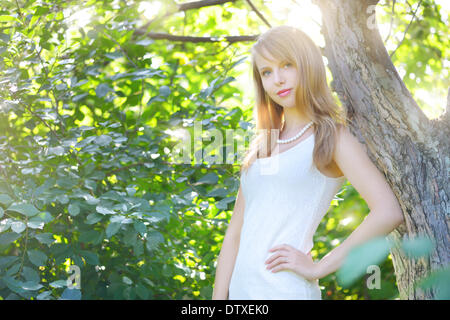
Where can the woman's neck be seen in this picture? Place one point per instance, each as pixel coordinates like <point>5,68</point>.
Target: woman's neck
<point>293,124</point>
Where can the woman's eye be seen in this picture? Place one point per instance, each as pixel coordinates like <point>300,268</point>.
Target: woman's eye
<point>266,73</point>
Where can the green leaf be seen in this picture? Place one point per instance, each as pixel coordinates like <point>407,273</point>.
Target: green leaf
<point>154,238</point>
<point>129,237</point>
<point>45,238</point>
<point>73,209</point>
<point>440,281</point>
<point>35,224</point>
<point>114,55</point>
<point>103,210</point>
<point>58,284</point>
<point>142,291</point>
<point>41,11</point>
<point>63,199</point>
<point>360,258</point>
<point>67,182</point>
<point>9,237</point>
<point>238,62</point>
<point>145,42</point>
<point>418,247</point>
<point>5,262</point>
<point>112,195</point>
<point>4,18</point>
<point>90,184</point>
<point>223,204</point>
<point>44,217</point>
<point>79,97</point>
<point>90,257</point>
<point>103,140</point>
<point>138,248</point>
<point>38,258</point>
<point>71,294</point>
<point>127,280</point>
<point>30,274</point>
<point>93,218</point>
<point>164,91</point>
<point>130,191</point>
<point>31,285</point>
<point>24,208</point>
<point>90,199</point>
<point>210,178</point>
<point>13,284</point>
<point>102,90</point>
<point>218,192</point>
<point>144,73</point>
<point>5,224</point>
<point>225,81</point>
<point>13,269</point>
<point>155,98</point>
<point>206,291</point>
<point>18,226</point>
<point>140,227</point>
<point>44,295</point>
<point>57,151</point>
<point>112,229</point>
<point>5,199</point>
<point>90,236</point>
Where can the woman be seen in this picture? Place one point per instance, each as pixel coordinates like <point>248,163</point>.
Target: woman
<point>301,156</point>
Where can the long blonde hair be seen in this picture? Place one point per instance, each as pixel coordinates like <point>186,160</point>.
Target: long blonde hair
<point>314,99</point>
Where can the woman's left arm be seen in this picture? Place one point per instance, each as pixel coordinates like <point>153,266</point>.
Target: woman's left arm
<point>385,212</point>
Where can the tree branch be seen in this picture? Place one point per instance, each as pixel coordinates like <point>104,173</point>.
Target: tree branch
<point>201,4</point>
<point>171,37</point>
<point>196,5</point>
<point>392,21</point>
<point>182,7</point>
<point>404,34</point>
<point>258,13</point>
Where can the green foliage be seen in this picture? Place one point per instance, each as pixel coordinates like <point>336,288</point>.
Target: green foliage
<point>440,281</point>
<point>363,258</point>
<point>360,258</point>
<point>87,177</point>
<point>421,47</point>
<point>350,282</point>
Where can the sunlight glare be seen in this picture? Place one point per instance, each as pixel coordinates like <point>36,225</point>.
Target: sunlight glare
<point>79,18</point>
<point>300,14</point>
<point>346,221</point>
<point>150,9</point>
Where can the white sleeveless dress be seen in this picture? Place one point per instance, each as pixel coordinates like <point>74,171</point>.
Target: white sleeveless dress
<point>286,197</point>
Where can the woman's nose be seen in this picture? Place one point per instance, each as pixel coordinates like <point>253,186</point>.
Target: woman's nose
<point>279,79</point>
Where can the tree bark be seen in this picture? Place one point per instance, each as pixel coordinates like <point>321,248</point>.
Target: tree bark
<point>193,39</point>
<point>411,150</point>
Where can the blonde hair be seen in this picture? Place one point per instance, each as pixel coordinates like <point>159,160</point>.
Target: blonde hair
<point>314,99</point>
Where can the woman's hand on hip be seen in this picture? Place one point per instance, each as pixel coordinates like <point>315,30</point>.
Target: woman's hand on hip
<point>286,257</point>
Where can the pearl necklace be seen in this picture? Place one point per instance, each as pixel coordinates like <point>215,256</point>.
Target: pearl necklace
<point>297,135</point>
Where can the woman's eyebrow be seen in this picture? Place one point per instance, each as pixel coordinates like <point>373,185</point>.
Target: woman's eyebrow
<point>281,62</point>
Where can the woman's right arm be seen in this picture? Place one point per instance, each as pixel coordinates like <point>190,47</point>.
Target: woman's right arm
<point>228,253</point>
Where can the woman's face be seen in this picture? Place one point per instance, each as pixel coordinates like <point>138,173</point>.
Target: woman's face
<point>279,79</point>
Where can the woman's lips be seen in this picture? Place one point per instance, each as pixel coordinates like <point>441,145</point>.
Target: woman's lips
<point>284,93</point>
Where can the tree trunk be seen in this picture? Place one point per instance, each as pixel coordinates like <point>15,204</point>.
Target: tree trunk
<point>411,150</point>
